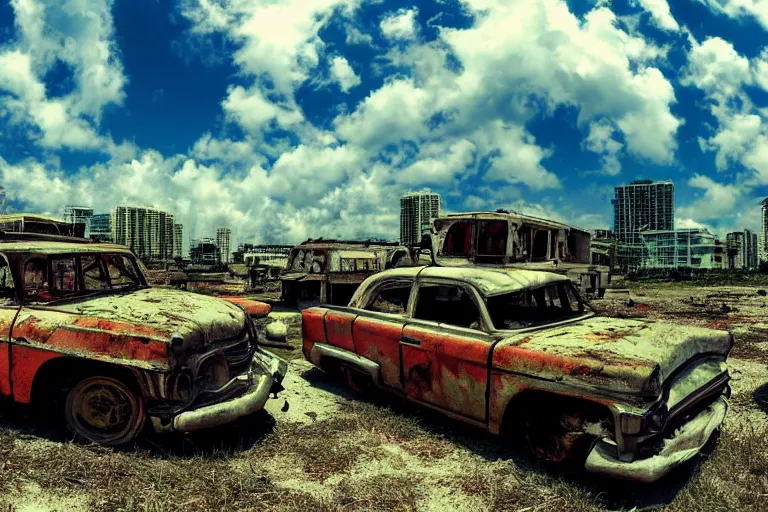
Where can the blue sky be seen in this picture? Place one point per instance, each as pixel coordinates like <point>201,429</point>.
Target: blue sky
<point>289,119</point>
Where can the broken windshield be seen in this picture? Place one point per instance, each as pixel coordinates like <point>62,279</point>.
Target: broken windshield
<point>539,306</point>
<point>60,277</point>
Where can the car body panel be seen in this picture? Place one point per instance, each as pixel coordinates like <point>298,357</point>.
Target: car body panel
<point>159,336</point>
<point>634,373</point>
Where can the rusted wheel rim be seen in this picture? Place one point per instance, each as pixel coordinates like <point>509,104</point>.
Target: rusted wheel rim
<point>104,410</point>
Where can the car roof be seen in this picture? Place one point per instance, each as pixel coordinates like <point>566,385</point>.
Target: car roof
<point>46,247</point>
<point>489,281</point>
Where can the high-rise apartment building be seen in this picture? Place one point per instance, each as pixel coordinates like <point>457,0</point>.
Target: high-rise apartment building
<point>146,230</point>
<point>101,227</point>
<point>2,199</point>
<point>222,242</point>
<point>741,250</point>
<point>643,205</point>
<point>178,236</point>
<point>417,209</point>
<point>763,237</point>
<point>79,215</point>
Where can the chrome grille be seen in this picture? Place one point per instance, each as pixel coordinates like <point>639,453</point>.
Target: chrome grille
<point>239,353</point>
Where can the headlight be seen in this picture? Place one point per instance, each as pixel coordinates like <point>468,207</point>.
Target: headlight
<point>214,372</point>
<point>631,424</point>
<point>650,422</point>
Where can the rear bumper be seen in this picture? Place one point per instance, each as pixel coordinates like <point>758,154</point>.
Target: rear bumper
<point>262,384</point>
<point>686,443</point>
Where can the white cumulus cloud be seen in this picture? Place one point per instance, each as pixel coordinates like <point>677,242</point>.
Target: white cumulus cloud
<point>400,25</point>
<point>343,73</point>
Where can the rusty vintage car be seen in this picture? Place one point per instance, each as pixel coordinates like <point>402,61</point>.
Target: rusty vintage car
<point>519,352</point>
<point>84,335</point>
<point>329,271</point>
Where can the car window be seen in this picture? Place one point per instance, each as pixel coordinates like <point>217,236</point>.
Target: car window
<point>121,270</point>
<point>492,237</point>
<point>458,240</point>
<point>64,276</point>
<point>539,306</point>
<point>7,290</point>
<point>391,299</point>
<point>447,304</point>
<point>36,279</point>
<point>94,276</point>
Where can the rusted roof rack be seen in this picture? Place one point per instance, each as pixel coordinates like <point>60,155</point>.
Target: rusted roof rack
<point>16,236</point>
<point>350,242</point>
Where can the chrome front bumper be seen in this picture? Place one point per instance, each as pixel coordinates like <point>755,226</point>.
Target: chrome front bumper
<point>686,443</point>
<point>262,384</point>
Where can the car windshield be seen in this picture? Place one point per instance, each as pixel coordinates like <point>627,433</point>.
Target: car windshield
<point>58,277</point>
<point>535,307</point>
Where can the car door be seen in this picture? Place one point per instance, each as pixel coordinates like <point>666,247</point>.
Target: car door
<point>377,332</point>
<point>9,308</point>
<point>444,348</point>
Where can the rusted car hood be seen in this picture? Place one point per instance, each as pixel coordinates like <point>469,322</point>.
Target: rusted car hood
<point>619,355</point>
<point>199,319</point>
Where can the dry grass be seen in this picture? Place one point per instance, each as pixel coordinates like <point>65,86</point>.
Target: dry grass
<point>237,477</point>
<point>374,454</point>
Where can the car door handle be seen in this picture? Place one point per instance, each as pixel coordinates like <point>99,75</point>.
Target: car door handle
<point>410,341</point>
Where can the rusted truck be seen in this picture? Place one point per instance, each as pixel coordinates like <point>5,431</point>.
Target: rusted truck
<point>329,271</point>
<point>507,239</point>
<point>85,336</point>
<point>519,353</point>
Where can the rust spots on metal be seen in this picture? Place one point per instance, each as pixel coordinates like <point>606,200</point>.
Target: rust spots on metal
<point>517,357</point>
<point>26,361</point>
<point>113,345</point>
<point>379,341</point>
<point>339,329</point>
<point>120,327</point>
<point>254,308</point>
<point>611,334</point>
<point>32,329</point>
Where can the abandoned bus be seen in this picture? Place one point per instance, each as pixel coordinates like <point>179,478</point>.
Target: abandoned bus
<point>510,239</point>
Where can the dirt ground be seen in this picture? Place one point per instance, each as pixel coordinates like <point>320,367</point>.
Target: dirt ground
<point>334,450</point>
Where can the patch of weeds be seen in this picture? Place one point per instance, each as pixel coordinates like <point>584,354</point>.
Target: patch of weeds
<point>380,492</point>
<point>324,447</point>
<point>513,489</point>
<point>734,477</point>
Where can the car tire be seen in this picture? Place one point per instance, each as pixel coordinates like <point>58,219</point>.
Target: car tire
<point>104,410</point>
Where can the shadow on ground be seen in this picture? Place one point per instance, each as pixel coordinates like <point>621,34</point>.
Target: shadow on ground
<point>616,494</point>
<point>761,397</point>
<point>24,423</point>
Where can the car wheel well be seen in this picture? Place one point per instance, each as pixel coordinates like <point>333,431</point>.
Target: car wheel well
<point>60,372</point>
<point>556,427</point>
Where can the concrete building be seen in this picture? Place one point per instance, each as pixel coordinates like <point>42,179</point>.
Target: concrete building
<point>146,230</point>
<point>671,249</point>
<point>643,205</point>
<point>204,251</point>
<point>741,250</point>
<point>2,200</point>
<point>101,227</point>
<point>79,215</point>
<point>222,242</point>
<point>763,236</point>
<point>178,238</point>
<point>417,209</point>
